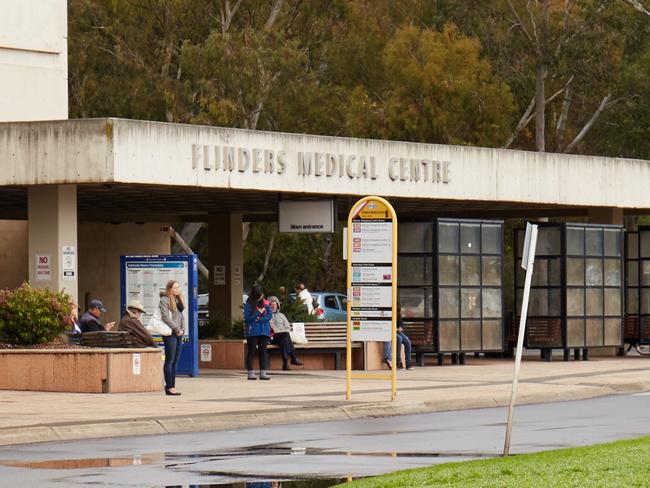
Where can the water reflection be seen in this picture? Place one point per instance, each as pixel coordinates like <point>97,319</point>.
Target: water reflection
<point>316,483</point>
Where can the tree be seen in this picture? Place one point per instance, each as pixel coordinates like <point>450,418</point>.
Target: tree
<point>435,88</point>
<point>563,61</point>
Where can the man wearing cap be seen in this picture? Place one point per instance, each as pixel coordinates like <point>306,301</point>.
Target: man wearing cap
<point>89,322</point>
<point>131,323</point>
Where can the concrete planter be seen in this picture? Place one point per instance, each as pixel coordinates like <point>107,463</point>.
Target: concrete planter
<point>222,354</point>
<point>81,370</point>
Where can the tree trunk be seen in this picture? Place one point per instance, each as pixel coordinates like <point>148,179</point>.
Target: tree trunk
<point>540,107</point>
<point>603,105</point>
<point>540,80</point>
<point>202,269</point>
<point>564,115</point>
<point>267,258</point>
<point>273,14</point>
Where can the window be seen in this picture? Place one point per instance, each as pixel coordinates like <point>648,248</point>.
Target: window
<point>330,301</point>
<point>579,281</point>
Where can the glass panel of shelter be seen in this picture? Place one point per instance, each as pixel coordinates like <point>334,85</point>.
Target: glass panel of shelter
<point>545,294</point>
<point>593,302</point>
<point>589,290</point>
<point>470,285</point>
<point>637,286</point>
<point>458,272</point>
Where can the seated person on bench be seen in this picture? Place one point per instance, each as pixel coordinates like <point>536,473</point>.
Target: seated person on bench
<point>89,322</point>
<point>402,338</point>
<point>131,323</point>
<point>281,327</point>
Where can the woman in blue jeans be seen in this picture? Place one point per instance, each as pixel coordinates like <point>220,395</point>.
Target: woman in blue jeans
<point>171,312</point>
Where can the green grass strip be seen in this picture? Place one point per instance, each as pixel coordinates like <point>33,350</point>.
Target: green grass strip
<point>623,463</point>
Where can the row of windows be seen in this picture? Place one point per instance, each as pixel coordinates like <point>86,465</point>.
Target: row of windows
<point>580,241</point>
<point>453,237</point>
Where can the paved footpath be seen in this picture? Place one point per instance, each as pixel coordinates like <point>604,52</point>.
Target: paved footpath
<point>226,400</point>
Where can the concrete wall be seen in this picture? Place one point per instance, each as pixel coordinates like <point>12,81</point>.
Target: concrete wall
<point>33,60</point>
<point>153,153</point>
<point>100,248</point>
<point>34,86</point>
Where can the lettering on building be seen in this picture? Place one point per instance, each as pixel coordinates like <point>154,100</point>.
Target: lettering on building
<point>238,159</point>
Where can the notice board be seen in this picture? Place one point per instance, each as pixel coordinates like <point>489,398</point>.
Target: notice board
<point>144,278</point>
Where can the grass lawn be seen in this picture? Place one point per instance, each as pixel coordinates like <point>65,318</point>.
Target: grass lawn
<point>623,463</point>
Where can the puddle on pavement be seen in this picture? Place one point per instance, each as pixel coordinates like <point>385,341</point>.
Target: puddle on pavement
<point>115,462</point>
<point>178,461</point>
<point>313,483</point>
<point>172,460</point>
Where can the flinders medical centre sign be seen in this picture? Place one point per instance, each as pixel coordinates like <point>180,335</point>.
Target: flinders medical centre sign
<point>245,160</point>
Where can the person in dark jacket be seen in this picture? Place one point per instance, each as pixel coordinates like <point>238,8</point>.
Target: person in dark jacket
<point>257,317</point>
<point>89,322</point>
<point>131,323</point>
<point>281,328</point>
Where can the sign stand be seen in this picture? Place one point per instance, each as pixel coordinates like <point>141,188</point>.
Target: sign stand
<point>144,277</point>
<point>527,261</point>
<point>372,282</point>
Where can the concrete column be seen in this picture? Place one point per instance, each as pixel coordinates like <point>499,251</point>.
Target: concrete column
<point>52,228</point>
<point>605,215</point>
<point>226,258</point>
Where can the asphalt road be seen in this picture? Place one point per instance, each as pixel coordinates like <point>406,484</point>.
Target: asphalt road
<point>326,451</point>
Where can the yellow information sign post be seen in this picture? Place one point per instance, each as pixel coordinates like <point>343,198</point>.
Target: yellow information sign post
<point>372,282</point>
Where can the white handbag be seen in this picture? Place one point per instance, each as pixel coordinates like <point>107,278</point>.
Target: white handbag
<point>157,326</point>
<point>297,333</point>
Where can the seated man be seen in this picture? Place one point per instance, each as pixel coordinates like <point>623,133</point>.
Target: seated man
<point>89,322</point>
<point>131,323</point>
<point>402,338</point>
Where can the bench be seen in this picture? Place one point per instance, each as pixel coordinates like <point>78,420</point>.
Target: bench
<point>324,337</point>
<point>421,335</point>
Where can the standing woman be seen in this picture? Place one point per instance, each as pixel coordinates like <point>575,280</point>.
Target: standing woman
<point>257,317</point>
<point>171,312</point>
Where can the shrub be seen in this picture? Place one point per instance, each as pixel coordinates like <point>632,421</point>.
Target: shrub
<point>296,311</point>
<point>237,330</point>
<point>33,316</point>
<point>221,323</point>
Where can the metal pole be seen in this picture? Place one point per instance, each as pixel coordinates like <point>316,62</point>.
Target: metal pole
<point>395,311</point>
<point>530,257</point>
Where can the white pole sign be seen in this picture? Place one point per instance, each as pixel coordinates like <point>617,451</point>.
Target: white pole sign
<point>527,261</point>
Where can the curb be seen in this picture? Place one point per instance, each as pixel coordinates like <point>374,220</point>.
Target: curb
<point>208,422</point>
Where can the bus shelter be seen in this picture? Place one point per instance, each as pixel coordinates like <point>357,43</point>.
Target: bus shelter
<point>576,293</point>
<point>450,286</point>
<point>636,329</point>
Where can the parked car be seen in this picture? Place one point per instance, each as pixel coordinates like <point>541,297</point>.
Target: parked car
<point>203,308</point>
<point>333,305</point>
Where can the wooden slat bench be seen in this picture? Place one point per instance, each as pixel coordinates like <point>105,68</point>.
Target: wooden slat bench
<point>324,337</point>
<point>421,335</point>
